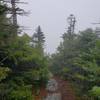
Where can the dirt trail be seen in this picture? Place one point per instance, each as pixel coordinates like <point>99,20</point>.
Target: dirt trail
<point>67,93</point>
<point>59,89</point>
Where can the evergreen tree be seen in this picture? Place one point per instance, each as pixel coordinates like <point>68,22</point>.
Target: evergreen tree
<point>78,60</point>
<point>3,7</point>
<point>67,49</point>
<point>38,40</point>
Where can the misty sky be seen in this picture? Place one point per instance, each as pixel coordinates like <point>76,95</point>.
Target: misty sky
<point>51,15</point>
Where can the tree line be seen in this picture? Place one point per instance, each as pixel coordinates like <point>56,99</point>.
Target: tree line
<point>23,63</point>
<point>78,59</point>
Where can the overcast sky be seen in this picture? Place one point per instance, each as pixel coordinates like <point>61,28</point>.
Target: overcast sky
<point>51,15</point>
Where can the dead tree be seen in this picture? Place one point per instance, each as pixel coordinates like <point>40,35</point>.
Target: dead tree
<point>14,10</point>
<point>71,21</point>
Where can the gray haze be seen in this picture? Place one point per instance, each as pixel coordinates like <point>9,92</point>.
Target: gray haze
<point>52,15</point>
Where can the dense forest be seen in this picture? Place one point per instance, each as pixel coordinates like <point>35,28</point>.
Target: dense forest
<point>22,60</point>
<point>25,67</point>
<point>78,59</point>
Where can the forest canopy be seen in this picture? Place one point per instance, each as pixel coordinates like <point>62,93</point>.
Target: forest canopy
<point>25,67</point>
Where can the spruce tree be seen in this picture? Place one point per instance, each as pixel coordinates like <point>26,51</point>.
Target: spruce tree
<point>38,40</point>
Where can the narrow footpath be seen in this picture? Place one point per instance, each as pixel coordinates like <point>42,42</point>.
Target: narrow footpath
<point>67,93</point>
<point>59,89</point>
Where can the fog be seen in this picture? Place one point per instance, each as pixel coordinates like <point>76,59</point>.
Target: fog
<point>51,15</point>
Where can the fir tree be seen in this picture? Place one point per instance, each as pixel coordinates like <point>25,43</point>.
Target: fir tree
<point>38,39</point>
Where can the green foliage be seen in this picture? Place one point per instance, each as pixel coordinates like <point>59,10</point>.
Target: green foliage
<point>4,73</point>
<point>20,63</point>
<point>81,55</point>
<point>21,93</point>
<point>87,40</point>
<point>66,53</point>
<point>95,92</point>
<point>26,65</point>
<point>3,7</point>
<point>38,40</point>
<point>80,77</point>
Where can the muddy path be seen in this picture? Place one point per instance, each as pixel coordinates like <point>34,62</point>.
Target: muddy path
<point>57,89</point>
